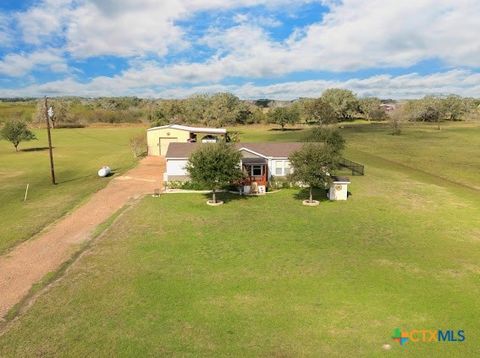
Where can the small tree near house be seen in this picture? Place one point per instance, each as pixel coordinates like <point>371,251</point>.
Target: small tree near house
<point>312,165</point>
<point>15,132</point>
<point>215,165</point>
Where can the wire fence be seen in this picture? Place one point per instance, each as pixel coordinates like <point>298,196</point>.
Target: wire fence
<point>356,168</point>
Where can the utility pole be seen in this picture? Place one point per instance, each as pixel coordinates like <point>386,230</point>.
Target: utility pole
<point>50,149</point>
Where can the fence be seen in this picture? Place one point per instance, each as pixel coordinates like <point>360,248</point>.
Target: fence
<point>356,168</point>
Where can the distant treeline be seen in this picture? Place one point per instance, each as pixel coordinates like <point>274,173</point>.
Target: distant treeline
<point>224,109</point>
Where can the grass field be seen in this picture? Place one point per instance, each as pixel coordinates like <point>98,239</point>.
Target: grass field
<point>78,153</point>
<point>268,277</point>
<point>18,110</point>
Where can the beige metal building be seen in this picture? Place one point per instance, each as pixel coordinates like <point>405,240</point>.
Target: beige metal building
<point>158,138</point>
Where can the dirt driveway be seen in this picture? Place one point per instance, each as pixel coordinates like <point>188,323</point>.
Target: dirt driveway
<point>27,263</point>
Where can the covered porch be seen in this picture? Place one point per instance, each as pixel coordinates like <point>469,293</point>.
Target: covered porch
<point>256,175</point>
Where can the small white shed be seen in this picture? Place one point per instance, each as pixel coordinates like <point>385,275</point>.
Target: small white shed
<point>339,188</point>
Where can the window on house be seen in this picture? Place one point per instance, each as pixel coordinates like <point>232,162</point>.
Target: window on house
<point>257,170</point>
<point>278,167</point>
<point>288,170</point>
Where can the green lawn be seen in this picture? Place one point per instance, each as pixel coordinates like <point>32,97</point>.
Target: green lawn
<point>79,153</point>
<point>267,276</point>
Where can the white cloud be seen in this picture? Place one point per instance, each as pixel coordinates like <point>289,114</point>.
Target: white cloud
<point>135,28</point>
<point>17,65</point>
<point>413,85</point>
<point>462,82</point>
<point>365,34</point>
<point>264,21</point>
<point>134,31</point>
<point>355,35</point>
<point>46,19</point>
<point>6,37</point>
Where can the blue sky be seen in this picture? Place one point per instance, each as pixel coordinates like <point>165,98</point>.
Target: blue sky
<point>256,49</point>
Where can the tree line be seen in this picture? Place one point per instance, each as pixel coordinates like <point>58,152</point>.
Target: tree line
<point>225,109</point>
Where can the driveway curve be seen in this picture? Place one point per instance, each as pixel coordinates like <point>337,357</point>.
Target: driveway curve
<point>28,262</point>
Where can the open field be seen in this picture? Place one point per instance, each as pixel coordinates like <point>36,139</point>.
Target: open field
<point>78,155</point>
<point>176,277</point>
<point>20,110</point>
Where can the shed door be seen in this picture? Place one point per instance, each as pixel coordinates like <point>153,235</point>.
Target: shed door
<point>163,144</point>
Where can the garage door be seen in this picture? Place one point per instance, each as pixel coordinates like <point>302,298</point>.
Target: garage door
<point>163,144</point>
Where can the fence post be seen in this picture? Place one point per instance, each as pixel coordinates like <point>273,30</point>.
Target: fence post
<point>26,193</point>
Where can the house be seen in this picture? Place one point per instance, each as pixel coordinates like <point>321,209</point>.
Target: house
<point>159,138</point>
<point>260,161</point>
<point>388,107</point>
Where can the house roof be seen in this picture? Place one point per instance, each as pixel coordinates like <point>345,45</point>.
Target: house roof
<point>181,150</point>
<point>192,129</point>
<point>267,150</point>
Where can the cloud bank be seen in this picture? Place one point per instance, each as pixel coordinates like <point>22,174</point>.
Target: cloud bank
<point>268,48</point>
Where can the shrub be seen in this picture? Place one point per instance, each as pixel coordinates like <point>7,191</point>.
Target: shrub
<point>185,185</point>
<point>138,145</point>
<point>282,183</point>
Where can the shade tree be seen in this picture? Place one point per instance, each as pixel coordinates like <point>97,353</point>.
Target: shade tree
<point>215,165</point>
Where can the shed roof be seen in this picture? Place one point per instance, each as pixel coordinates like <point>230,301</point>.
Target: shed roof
<point>267,150</point>
<point>192,129</point>
<point>338,179</point>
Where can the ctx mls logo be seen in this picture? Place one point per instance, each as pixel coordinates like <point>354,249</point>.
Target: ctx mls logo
<point>399,336</point>
<point>428,335</point>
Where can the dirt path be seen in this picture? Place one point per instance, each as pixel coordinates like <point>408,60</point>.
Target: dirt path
<point>27,263</point>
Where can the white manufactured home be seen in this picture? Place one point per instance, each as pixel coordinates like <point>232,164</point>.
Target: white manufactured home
<point>260,162</point>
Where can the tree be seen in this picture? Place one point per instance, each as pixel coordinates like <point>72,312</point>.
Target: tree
<point>427,109</point>
<point>319,111</point>
<point>16,131</point>
<point>61,109</point>
<point>370,107</point>
<point>396,119</point>
<point>224,109</point>
<point>168,111</point>
<point>312,165</point>
<point>39,114</point>
<point>257,115</point>
<point>453,107</point>
<point>215,165</point>
<point>283,116</point>
<point>344,102</point>
<point>330,137</point>
<point>196,108</point>
<point>61,112</point>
